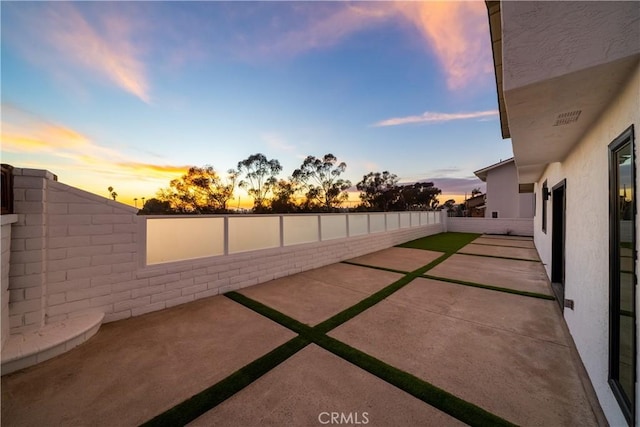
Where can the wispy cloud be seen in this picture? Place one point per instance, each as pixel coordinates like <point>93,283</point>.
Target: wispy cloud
<point>23,132</point>
<point>60,38</point>
<point>432,117</point>
<point>457,31</point>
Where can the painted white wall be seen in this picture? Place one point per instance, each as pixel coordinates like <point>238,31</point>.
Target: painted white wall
<point>503,194</point>
<point>587,235</point>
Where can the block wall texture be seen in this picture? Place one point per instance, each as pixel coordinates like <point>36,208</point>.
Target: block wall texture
<point>514,226</point>
<point>74,252</point>
<point>7,220</point>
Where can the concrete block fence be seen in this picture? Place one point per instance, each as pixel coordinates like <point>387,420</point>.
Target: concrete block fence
<point>76,259</point>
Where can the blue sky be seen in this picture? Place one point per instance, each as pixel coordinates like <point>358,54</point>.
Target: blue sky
<point>130,94</point>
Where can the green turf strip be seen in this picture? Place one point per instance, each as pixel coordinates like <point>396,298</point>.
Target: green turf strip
<point>501,257</point>
<point>209,398</point>
<point>375,267</point>
<point>438,398</point>
<point>428,393</point>
<point>490,287</point>
<point>276,316</point>
<point>442,242</point>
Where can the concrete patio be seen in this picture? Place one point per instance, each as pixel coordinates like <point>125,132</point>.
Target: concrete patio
<point>503,352</point>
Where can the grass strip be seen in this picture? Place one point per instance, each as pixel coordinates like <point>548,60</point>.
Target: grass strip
<point>491,287</point>
<point>501,257</point>
<point>375,267</point>
<point>195,406</point>
<point>438,398</point>
<point>266,311</point>
<point>443,242</point>
<point>428,393</point>
<point>351,312</point>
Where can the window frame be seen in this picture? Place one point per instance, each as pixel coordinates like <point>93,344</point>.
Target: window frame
<point>627,403</point>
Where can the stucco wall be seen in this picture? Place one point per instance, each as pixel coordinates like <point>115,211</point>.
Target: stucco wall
<point>502,191</point>
<point>587,236</point>
<point>541,45</point>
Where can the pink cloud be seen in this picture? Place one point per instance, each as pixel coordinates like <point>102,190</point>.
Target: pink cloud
<point>59,37</point>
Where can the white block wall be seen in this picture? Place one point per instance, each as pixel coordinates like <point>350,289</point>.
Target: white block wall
<point>513,226</point>
<point>7,220</point>
<point>74,252</point>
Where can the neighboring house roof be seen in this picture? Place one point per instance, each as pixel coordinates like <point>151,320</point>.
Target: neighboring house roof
<point>482,173</point>
<point>475,201</point>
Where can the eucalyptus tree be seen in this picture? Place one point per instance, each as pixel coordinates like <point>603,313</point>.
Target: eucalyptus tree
<point>321,180</point>
<point>259,178</point>
<point>201,190</point>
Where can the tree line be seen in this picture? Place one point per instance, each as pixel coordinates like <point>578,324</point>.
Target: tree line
<point>316,186</point>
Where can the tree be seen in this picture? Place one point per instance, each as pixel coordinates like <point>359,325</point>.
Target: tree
<point>155,206</point>
<point>260,177</point>
<point>476,191</point>
<point>421,195</point>
<point>112,193</point>
<point>377,190</point>
<point>200,191</point>
<point>449,204</point>
<point>321,180</point>
<point>283,200</point>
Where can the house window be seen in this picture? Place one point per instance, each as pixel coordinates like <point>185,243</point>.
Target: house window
<point>494,214</point>
<point>622,269</point>
<point>545,197</point>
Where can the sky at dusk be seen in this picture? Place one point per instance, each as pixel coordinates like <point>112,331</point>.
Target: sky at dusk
<point>130,94</point>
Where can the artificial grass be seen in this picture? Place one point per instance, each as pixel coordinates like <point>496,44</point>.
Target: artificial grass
<point>376,267</point>
<point>490,287</point>
<point>209,398</point>
<point>428,393</point>
<point>438,398</point>
<point>266,311</point>
<point>443,242</point>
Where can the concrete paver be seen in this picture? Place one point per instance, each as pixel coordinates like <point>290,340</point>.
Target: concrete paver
<point>512,274</point>
<point>352,277</point>
<point>528,381</point>
<point>403,259</point>
<point>529,317</point>
<point>309,386</point>
<point>312,301</point>
<point>500,251</point>
<point>134,369</point>
<point>503,241</point>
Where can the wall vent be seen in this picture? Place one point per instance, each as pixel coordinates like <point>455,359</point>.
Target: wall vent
<point>567,118</point>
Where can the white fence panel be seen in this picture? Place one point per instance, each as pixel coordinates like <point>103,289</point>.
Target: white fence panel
<point>300,229</point>
<point>253,233</point>
<point>358,224</point>
<point>333,226</point>
<point>177,239</point>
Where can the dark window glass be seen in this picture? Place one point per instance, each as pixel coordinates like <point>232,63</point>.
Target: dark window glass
<point>622,357</point>
<point>545,197</point>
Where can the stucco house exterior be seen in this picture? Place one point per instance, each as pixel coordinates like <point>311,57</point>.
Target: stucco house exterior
<point>505,198</point>
<point>568,83</point>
